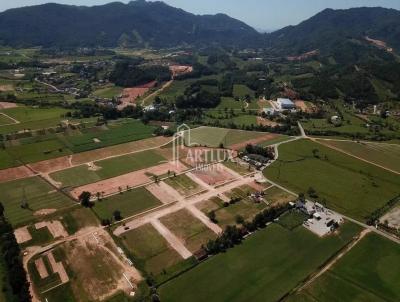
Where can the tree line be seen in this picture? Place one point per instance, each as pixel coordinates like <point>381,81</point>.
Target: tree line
<point>15,274</point>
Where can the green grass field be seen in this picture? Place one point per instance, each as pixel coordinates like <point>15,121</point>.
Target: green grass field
<point>150,249</point>
<point>39,195</point>
<point>367,273</point>
<point>5,120</point>
<point>32,118</point>
<point>183,184</point>
<point>108,92</point>
<point>6,160</point>
<point>382,154</point>
<point>343,183</point>
<point>264,268</point>
<point>241,91</point>
<point>116,133</point>
<point>109,168</point>
<point>129,203</point>
<point>213,137</point>
<point>189,229</point>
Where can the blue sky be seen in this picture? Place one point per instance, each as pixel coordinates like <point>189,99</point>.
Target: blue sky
<point>261,14</point>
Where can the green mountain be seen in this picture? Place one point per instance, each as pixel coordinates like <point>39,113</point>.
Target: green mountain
<point>138,23</point>
<point>331,28</point>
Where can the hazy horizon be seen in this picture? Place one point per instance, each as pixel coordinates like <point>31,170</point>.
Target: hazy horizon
<point>270,15</point>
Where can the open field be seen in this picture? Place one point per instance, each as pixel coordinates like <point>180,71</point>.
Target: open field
<point>39,196</point>
<point>108,168</point>
<point>383,154</point>
<point>192,232</point>
<point>343,183</point>
<point>214,137</point>
<point>130,180</point>
<point>238,168</point>
<point>32,118</point>
<point>150,249</point>
<point>129,203</point>
<point>108,92</point>
<point>276,195</point>
<point>184,185</point>
<point>366,273</point>
<point>5,120</point>
<point>244,273</point>
<point>241,91</point>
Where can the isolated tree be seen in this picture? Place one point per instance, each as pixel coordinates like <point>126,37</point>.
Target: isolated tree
<point>211,215</point>
<point>239,219</point>
<point>1,209</point>
<point>117,215</point>
<point>98,195</point>
<point>315,153</point>
<point>84,199</point>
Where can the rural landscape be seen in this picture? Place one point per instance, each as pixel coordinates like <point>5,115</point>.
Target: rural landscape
<point>167,156</point>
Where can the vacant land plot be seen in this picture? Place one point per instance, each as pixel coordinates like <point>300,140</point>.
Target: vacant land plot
<point>214,175</point>
<point>214,137</point>
<point>276,195</point>
<point>385,155</point>
<point>108,92</point>
<point>5,120</point>
<point>184,185</point>
<point>192,232</point>
<point>108,168</point>
<point>34,191</point>
<point>129,203</point>
<point>38,151</point>
<point>6,160</point>
<point>345,184</point>
<point>78,219</point>
<point>15,173</point>
<point>242,91</point>
<point>116,133</point>
<point>237,167</point>
<point>366,273</point>
<point>245,272</point>
<point>130,180</point>
<point>150,249</point>
<point>32,118</point>
<point>96,155</point>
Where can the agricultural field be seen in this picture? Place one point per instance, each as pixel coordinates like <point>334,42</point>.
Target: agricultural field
<point>248,273</point>
<point>214,137</point>
<point>39,196</point>
<point>150,249</point>
<point>108,92</point>
<point>303,164</point>
<point>366,273</point>
<point>32,118</point>
<point>192,232</point>
<point>107,168</point>
<point>129,203</point>
<point>386,155</point>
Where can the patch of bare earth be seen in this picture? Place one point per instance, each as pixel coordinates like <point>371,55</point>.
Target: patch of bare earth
<point>44,212</point>
<point>55,228</point>
<point>41,268</point>
<point>133,179</point>
<point>130,95</point>
<point>6,105</point>
<point>266,122</point>
<point>163,192</point>
<point>213,175</point>
<point>15,173</point>
<point>22,235</point>
<point>98,268</point>
<point>51,165</point>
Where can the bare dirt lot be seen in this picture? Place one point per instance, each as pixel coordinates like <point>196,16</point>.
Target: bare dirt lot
<point>15,173</point>
<point>163,192</point>
<point>392,218</point>
<point>55,228</point>
<point>134,179</point>
<point>41,268</point>
<point>266,122</point>
<point>6,105</point>
<point>98,268</point>
<point>180,69</point>
<point>50,165</point>
<point>130,95</point>
<point>58,267</point>
<point>304,107</point>
<point>214,175</point>
<point>44,212</point>
<point>22,235</point>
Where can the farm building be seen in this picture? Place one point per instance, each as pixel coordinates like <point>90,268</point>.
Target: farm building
<point>285,104</point>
